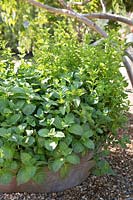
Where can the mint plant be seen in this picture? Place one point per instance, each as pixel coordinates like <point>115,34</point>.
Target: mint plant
<point>67,101</point>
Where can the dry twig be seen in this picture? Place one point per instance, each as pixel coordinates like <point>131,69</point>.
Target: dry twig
<point>71,14</point>
<point>110,17</point>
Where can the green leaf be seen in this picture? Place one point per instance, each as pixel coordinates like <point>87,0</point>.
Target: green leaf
<point>5,177</point>
<point>50,144</point>
<point>25,158</point>
<point>20,104</point>
<point>30,120</point>
<point>68,139</point>
<point>7,111</point>
<point>21,128</point>
<point>78,147</point>
<point>40,141</point>
<point>124,141</point>
<point>40,176</point>
<point>64,170</point>
<point>76,129</point>
<point>89,144</point>
<point>29,109</point>
<point>14,119</point>
<point>69,118</point>
<point>64,149</point>
<point>3,104</point>
<point>43,122</point>
<point>99,130</point>
<point>14,165</point>
<point>57,164</point>
<point>1,143</point>
<point>88,133</point>
<point>58,123</point>
<point>73,159</point>
<point>17,90</point>
<point>103,168</point>
<point>25,174</point>
<point>28,141</point>
<point>8,152</point>
<point>40,113</point>
<point>43,132</point>
<point>3,132</point>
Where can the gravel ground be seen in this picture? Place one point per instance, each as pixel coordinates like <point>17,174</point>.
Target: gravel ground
<point>117,187</point>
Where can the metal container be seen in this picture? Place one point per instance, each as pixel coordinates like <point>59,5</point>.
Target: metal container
<point>53,182</point>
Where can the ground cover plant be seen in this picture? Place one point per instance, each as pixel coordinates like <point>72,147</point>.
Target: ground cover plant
<point>67,101</point>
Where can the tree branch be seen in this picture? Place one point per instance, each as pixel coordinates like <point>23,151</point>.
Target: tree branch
<point>71,14</point>
<point>110,17</point>
<point>80,3</point>
<point>103,6</point>
<point>62,2</point>
<point>65,5</point>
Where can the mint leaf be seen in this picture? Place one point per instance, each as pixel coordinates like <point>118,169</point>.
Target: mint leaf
<point>8,152</point>
<point>64,170</point>
<point>14,165</point>
<point>43,132</point>
<point>69,118</point>
<point>64,149</point>
<point>3,132</point>
<point>40,176</point>
<point>76,129</point>
<point>73,159</point>
<point>17,90</point>
<point>62,109</point>
<point>89,144</point>
<point>29,109</point>
<point>88,133</point>
<point>56,164</point>
<point>5,177</point>
<point>14,119</point>
<point>50,144</point>
<point>58,123</point>
<point>3,104</point>
<point>25,158</point>
<point>25,174</point>
<point>78,147</point>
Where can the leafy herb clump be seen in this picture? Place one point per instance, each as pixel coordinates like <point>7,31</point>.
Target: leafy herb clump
<point>68,101</point>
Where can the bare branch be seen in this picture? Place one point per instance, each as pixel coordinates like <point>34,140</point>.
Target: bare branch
<point>62,2</point>
<point>110,17</point>
<point>71,14</point>
<point>103,6</point>
<point>65,5</point>
<point>80,3</point>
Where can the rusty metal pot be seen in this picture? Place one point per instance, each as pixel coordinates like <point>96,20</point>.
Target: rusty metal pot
<point>53,181</point>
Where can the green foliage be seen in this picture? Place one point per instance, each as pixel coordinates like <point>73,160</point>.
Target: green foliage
<point>66,102</point>
<point>21,24</point>
<point>25,174</point>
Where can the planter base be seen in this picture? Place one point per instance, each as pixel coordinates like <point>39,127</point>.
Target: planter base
<point>53,181</point>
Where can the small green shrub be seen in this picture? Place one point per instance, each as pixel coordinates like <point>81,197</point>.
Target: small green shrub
<point>69,100</point>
